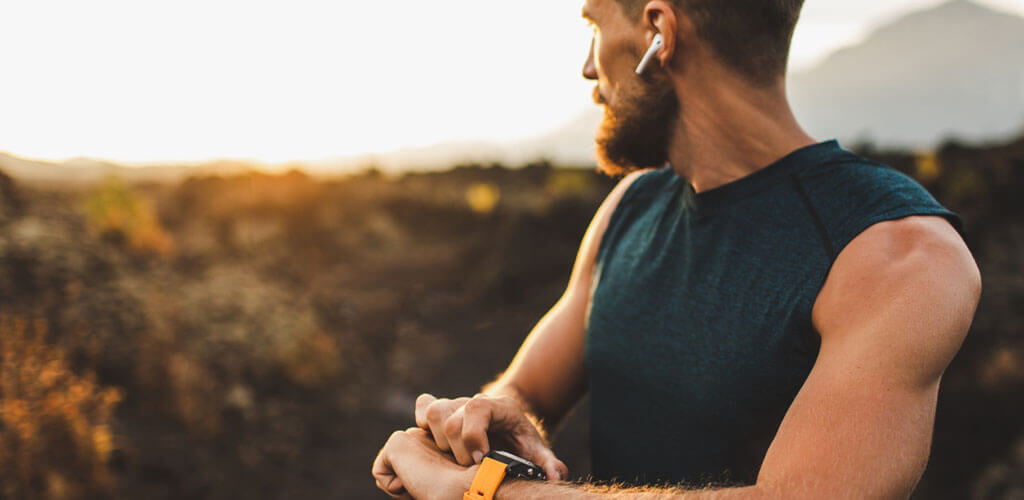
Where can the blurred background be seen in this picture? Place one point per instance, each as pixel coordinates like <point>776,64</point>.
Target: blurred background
<point>238,238</point>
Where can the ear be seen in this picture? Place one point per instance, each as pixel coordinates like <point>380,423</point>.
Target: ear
<point>660,17</point>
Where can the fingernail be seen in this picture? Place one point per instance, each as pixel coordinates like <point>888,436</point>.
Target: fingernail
<point>478,456</point>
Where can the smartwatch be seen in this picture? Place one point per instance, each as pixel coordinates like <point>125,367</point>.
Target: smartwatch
<point>494,468</point>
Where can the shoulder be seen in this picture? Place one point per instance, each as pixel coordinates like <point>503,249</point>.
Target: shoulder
<point>853,177</point>
<point>849,167</point>
<point>892,257</point>
<point>594,236</point>
<point>851,194</point>
<point>638,185</point>
<point>625,190</point>
<point>621,194</point>
<point>631,178</point>
<point>911,281</point>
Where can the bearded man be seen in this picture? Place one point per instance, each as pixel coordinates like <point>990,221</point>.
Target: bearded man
<point>759,315</point>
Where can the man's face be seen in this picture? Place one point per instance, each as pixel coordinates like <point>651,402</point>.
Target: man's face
<point>639,110</point>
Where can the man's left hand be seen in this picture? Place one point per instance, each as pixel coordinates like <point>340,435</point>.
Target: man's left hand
<point>410,466</point>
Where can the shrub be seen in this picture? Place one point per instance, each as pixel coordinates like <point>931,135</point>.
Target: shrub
<point>55,426</point>
<point>118,215</point>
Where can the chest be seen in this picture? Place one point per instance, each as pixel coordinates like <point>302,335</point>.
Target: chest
<point>689,310</point>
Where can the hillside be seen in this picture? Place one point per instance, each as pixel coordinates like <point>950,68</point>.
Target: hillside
<point>954,70</point>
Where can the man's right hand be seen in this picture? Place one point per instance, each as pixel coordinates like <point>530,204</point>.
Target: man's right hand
<point>465,426</point>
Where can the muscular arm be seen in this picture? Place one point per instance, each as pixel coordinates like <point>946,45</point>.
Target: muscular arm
<point>891,315</point>
<point>546,376</point>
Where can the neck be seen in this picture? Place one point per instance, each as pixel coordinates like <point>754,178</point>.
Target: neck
<point>728,129</point>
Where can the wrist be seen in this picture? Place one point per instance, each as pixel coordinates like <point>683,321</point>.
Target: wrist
<point>501,493</point>
<point>463,481</point>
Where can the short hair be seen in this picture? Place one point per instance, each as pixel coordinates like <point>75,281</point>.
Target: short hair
<point>750,36</point>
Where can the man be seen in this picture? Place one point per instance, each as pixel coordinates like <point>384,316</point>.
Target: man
<point>765,317</point>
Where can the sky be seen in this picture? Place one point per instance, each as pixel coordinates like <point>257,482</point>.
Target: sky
<point>141,81</point>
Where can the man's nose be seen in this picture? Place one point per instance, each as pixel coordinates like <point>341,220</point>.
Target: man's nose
<point>589,69</point>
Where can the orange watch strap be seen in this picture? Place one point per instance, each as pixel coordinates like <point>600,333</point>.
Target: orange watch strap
<point>487,480</point>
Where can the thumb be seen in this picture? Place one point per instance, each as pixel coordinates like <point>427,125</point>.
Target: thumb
<point>554,468</point>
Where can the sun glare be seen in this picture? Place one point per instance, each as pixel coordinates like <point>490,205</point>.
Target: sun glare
<point>195,80</point>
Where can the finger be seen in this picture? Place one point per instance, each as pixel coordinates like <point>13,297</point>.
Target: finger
<point>394,489</point>
<point>384,473</point>
<point>427,442</point>
<point>507,420</point>
<point>422,402</point>
<point>381,468</point>
<point>437,413</point>
<point>419,433</point>
<point>475,422</point>
<point>453,432</point>
<point>554,468</point>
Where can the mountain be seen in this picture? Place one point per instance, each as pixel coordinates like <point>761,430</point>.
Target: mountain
<point>85,170</point>
<point>955,70</point>
<point>437,156</point>
<point>76,170</point>
<point>571,144</point>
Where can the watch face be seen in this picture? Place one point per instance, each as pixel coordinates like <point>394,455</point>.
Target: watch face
<point>510,458</point>
<point>518,468</point>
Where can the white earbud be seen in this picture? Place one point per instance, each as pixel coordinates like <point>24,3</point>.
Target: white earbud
<point>655,45</point>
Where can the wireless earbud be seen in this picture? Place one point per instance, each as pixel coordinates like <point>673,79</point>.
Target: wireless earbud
<point>655,45</point>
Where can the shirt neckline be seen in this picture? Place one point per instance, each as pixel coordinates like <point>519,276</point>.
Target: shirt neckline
<point>711,200</point>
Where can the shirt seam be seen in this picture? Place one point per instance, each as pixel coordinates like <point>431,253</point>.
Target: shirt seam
<point>826,242</point>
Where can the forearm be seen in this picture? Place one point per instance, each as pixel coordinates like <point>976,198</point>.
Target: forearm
<point>530,490</point>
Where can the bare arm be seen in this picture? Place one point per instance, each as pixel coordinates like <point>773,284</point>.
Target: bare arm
<point>546,376</point>
<point>892,314</point>
<point>544,381</point>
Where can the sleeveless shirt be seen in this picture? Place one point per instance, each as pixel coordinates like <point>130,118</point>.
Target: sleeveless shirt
<point>698,330</point>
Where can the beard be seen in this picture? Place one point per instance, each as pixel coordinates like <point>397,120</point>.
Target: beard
<point>635,133</point>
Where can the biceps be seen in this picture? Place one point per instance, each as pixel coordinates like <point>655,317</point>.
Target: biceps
<point>852,434</point>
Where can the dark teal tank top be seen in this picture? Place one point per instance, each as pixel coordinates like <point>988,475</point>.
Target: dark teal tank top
<point>699,333</point>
